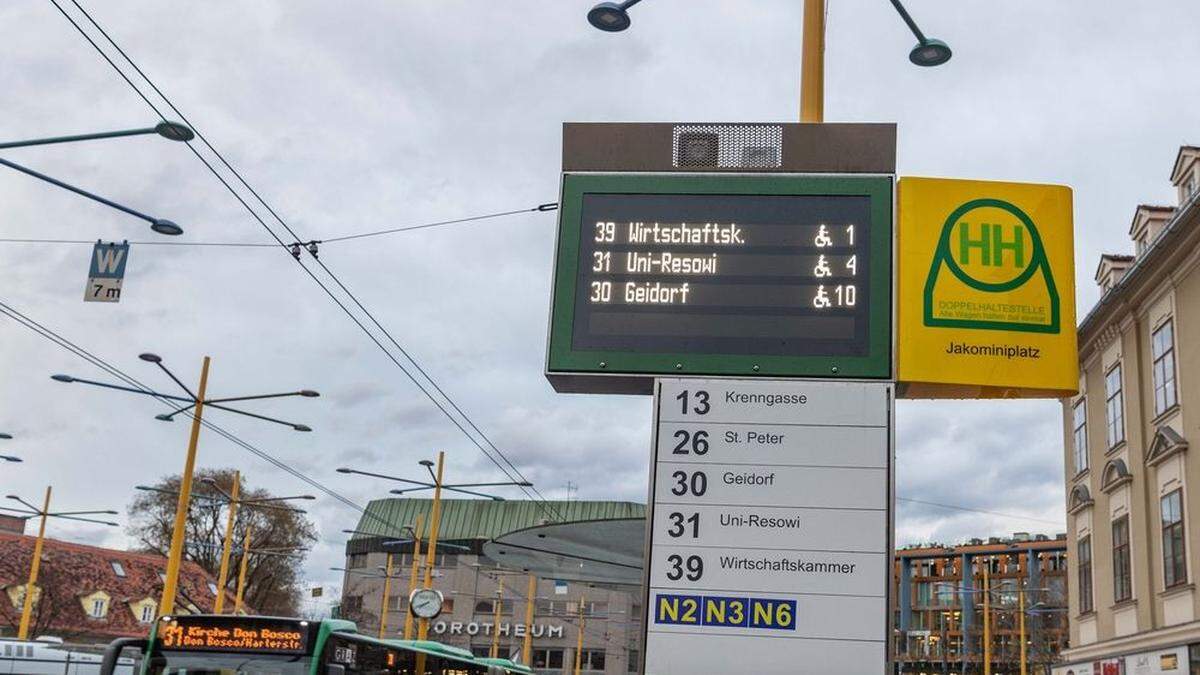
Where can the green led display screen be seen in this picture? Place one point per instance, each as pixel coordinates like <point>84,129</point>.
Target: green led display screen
<point>773,275</point>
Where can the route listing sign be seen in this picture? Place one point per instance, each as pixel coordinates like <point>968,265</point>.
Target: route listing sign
<point>986,290</point>
<point>770,529</point>
<point>723,275</point>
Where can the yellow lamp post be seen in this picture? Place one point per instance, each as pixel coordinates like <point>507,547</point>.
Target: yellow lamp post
<point>495,651</point>
<point>579,641</point>
<point>35,565</point>
<point>241,585</point>
<point>418,530</point>
<point>198,402</point>
<point>613,17</point>
<point>527,647</point>
<point>226,547</point>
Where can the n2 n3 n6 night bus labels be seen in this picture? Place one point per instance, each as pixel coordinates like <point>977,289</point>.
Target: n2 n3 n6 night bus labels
<point>769,535</point>
<point>986,290</point>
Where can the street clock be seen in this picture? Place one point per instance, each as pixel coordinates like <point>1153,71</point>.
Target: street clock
<point>425,603</point>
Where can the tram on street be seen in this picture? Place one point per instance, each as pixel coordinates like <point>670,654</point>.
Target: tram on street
<point>223,644</point>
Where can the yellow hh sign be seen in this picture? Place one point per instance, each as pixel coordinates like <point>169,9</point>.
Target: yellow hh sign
<point>986,290</point>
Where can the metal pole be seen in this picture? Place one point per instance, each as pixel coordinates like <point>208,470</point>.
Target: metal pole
<point>495,652</point>
<point>987,618</point>
<point>527,648</point>
<point>241,587</point>
<point>579,643</point>
<point>1021,602</point>
<point>430,550</point>
<point>167,604</point>
<point>34,566</point>
<point>418,530</point>
<point>812,63</point>
<point>227,548</point>
<point>387,590</point>
<point>79,191</point>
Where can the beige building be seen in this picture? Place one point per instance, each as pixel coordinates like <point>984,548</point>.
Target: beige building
<point>1133,486</point>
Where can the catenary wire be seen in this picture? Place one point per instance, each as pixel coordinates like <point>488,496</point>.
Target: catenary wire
<point>240,244</point>
<point>49,334</point>
<point>540,499</point>
<point>965,508</point>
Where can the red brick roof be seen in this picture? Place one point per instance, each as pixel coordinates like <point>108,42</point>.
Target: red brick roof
<point>77,570</point>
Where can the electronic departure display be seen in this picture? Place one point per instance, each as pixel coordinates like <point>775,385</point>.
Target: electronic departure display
<point>724,274</point>
<point>234,634</point>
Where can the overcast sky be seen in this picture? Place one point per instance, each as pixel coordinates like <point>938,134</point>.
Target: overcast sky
<point>356,116</point>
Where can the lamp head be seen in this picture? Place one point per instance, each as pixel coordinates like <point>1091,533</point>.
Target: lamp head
<point>167,227</point>
<point>174,131</point>
<point>930,53</point>
<point>152,358</point>
<point>164,417</point>
<point>610,17</point>
<point>344,470</point>
<point>7,437</point>
<point>308,393</point>
<point>62,378</point>
<point>426,462</point>
<point>301,427</point>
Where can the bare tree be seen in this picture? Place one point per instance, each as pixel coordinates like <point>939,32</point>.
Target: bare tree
<point>273,582</point>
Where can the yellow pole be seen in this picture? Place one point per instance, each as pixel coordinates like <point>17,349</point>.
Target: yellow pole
<point>812,63</point>
<point>579,643</point>
<point>241,587</point>
<point>223,577</point>
<point>527,648</point>
<point>175,557</point>
<point>1021,604</point>
<point>495,653</point>
<point>430,550</point>
<point>987,619</point>
<point>418,530</point>
<point>387,590</point>
<point>34,566</point>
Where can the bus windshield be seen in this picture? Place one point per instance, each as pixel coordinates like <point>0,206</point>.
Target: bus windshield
<point>212,663</point>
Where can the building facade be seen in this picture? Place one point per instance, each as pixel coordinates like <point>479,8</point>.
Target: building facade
<point>1131,482</point>
<point>91,594</point>
<point>940,593</point>
<point>471,586</point>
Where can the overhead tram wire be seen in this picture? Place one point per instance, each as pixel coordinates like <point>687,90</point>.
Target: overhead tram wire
<point>990,513</point>
<point>539,499</point>
<point>549,206</point>
<point>49,334</point>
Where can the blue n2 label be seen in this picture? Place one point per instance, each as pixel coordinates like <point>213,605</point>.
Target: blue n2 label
<point>724,611</point>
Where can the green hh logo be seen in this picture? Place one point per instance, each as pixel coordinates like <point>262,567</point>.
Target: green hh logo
<point>994,254</point>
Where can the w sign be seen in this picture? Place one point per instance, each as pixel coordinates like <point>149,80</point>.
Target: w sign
<point>106,273</point>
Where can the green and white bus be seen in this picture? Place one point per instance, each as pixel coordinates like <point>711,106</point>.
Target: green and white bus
<point>263,645</point>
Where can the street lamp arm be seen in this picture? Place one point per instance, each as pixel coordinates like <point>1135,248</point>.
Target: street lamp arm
<point>912,25</point>
<point>514,483</point>
<point>118,387</point>
<point>184,387</point>
<point>171,130</point>
<point>385,477</point>
<point>26,504</point>
<point>85,520</point>
<point>471,492</point>
<point>105,512</point>
<point>79,191</point>
<point>257,416</point>
<point>21,511</point>
<point>253,398</point>
<point>275,499</point>
<point>77,137</point>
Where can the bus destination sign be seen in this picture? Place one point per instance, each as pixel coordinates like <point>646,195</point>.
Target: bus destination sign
<point>234,635</point>
<point>767,275</point>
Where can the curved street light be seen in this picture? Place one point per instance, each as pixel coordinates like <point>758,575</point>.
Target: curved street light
<point>173,131</point>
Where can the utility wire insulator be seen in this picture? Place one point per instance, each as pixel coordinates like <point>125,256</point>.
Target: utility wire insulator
<point>296,250</point>
<point>312,248</point>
